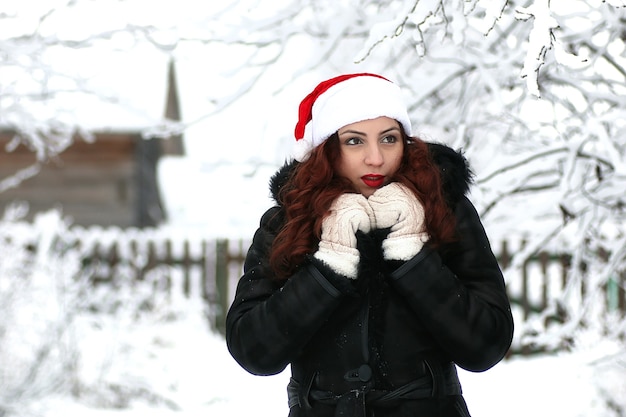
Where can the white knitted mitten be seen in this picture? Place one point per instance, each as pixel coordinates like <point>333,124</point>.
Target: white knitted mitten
<point>337,247</point>
<point>395,206</point>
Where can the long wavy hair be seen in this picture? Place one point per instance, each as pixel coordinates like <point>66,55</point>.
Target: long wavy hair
<point>314,185</point>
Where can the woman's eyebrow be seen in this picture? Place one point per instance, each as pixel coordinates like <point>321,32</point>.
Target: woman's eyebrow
<point>351,131</point>
<point>389,130</point>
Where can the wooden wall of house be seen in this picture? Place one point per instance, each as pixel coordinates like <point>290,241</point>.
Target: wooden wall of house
<point>108,182</point>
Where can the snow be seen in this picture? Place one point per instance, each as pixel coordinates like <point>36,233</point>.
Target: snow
<point>191,370</point>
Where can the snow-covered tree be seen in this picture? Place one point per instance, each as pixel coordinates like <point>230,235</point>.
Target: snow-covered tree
<point>533,91</point>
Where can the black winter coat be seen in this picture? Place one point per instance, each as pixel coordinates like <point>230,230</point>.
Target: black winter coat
<point>386,343</point>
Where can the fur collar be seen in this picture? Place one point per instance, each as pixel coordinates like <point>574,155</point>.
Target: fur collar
<point>456,174</point>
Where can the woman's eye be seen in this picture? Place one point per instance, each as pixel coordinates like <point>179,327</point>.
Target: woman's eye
<point>353,141</point>
<point>389,139</point>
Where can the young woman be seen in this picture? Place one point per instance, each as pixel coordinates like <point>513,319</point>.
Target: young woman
<point>372,276</point>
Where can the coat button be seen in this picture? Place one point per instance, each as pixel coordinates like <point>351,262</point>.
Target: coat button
<point>365,373</point>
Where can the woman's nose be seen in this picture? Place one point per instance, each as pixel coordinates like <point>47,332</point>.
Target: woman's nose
<point>374,156</point>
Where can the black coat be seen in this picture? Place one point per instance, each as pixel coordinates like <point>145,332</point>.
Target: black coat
<point>349,342</point>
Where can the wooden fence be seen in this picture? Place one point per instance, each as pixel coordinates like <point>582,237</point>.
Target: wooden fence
<point>211,270</point>
<point>205,268</point>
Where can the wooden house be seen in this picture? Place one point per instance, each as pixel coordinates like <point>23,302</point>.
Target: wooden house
<point>111,181</point>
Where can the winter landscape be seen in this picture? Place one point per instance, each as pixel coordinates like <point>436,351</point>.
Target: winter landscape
<point>533,92</point>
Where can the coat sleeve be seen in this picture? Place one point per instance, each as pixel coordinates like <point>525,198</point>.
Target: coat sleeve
<point>268,323</point>
<point>459,295</point>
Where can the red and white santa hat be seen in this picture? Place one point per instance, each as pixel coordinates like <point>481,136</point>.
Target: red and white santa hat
<point>344,100</point>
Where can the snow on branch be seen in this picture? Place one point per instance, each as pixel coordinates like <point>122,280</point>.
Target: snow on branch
<point>540,40</point>
<point>418,12</point>
<point>493,10</point>
<point>15,179</point>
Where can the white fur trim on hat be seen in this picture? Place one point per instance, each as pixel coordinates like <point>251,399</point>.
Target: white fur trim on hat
<point>362,97</point>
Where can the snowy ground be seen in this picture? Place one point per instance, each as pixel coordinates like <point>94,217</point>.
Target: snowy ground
<point>187,371</point>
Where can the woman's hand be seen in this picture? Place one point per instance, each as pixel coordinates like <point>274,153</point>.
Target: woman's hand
<point>395,206</point>
<point>337,248</point>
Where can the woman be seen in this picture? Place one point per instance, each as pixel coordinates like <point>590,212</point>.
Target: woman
<point>372,276</point>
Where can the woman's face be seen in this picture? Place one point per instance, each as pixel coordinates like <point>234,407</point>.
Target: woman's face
<point>370,153</point>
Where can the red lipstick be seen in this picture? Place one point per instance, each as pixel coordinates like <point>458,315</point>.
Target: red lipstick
<point>373,180</point>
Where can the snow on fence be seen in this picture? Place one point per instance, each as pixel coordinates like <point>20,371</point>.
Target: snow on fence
<point>148,268</point>
<point>188,268</point>
<point>211,268</point>
<point>542,291</point>
<point>219,263</point>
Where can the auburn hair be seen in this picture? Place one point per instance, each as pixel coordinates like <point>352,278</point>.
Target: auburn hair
<point>313,185</point>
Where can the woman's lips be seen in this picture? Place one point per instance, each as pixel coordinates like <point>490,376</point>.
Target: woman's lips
<point>373,180</point>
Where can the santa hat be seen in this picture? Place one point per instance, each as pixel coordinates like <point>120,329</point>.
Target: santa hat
<point>344,100</point>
